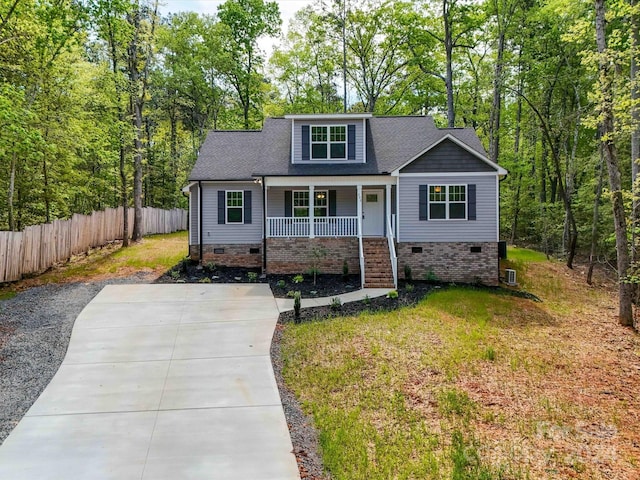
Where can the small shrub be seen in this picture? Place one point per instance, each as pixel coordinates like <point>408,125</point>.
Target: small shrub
<point>318,254</point>
<point>490,354</point>
<point>291,294</point>
<point>182,266</point>
<point>336,304</point>
<point>252,276</point>
<point>409,287</point>
<point>366,300</point>
<point>281,284</point>
<point>175,274</point>
<point>204,280</point>
<point>393,294</point>
<point>209,266</point>
<point>298,279</point>
<point>430,276</point>
<point>313,272</point>
<point>297,302</point>
<point>345,270</point>
<point>408,276</point>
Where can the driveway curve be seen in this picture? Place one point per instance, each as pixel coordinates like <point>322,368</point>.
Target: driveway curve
<point>161,382</point>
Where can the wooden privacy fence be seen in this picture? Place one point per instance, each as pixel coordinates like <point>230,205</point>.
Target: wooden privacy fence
<point>41,246</point>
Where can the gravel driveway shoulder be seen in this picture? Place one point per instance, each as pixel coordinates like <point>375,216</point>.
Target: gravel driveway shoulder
<point>37,324</point>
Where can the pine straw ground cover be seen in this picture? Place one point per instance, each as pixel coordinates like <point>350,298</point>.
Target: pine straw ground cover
<point>471,384</point>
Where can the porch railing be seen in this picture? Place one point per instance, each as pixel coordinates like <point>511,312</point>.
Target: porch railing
<point>322,227</point>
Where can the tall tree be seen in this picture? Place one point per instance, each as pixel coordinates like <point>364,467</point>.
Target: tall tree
<point>607,129</point>
<point>246,22</point>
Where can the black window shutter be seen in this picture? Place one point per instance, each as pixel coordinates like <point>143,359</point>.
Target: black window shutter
<point>247,206</point>
<point>351,142</point>
<point>423,202</point>
<point>332,203</point>
<point>471,202</point>
<point>222,200</point>
<point>305,142</point>
<point>288,203</point>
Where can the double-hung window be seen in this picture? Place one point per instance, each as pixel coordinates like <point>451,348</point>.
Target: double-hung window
<point>301,203</point>
<point>328,142</point>
<point>235,206</point>
<point>447,202</point>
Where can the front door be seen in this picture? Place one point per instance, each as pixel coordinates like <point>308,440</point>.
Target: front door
<point>372,213</point>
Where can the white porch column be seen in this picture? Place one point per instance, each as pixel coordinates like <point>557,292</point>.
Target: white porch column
<point>387,220</point>
<point>312,201</point>
<point>359,190</point>
<point>266,211</point>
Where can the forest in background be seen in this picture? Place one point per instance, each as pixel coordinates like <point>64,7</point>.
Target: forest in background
<point>106,102</point>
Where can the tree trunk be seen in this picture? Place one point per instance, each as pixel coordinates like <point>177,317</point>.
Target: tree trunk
<point>596,218</point>
<point>625,312</point>
<point>635,132</point>
<point>494,120</point>
<point>12,186</point>
<point>448,48</point>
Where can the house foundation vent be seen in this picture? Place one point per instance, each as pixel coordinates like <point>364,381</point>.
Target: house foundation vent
<point>511,277</point>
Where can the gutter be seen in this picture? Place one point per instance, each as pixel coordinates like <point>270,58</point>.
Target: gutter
<point>264,226</point>
<point>200,217</point>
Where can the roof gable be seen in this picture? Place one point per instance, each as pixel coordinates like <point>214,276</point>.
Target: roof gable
<point>451,155</point>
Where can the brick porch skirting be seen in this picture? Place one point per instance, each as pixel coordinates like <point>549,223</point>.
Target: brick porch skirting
<point>451,261</point>
<point>229,255</point>
<point>295,255</point>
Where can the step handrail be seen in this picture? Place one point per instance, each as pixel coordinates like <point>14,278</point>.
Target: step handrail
<point>361,252</point>
<point>392,253</point>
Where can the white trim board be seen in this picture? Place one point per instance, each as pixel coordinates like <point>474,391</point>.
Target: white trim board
<point>324,181</point>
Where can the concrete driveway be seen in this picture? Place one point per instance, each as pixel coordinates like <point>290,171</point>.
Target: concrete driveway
<point>161,382</point>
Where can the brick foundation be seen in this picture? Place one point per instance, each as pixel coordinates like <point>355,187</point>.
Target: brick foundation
<point>295,255</point>
<point>235,255</point>
<point>451,261</point>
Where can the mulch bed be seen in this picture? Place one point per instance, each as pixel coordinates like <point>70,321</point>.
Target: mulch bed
<point>326,285</point>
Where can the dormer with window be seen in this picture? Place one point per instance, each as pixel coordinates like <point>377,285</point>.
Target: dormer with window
<point>337,138</point>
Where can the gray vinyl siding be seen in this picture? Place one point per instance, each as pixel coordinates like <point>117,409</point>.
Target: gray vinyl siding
<point>447,157</point>
<point>483,229</point>
<point>193,215</point>
<point>214,233</point>
<point>346,200</point>
<point>297,139</point>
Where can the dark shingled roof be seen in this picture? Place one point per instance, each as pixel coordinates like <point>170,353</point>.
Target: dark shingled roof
<point>391,142</point>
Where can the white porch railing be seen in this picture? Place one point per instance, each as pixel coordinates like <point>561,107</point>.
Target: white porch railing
<point>392,252</point>
<point>336,226</point>
<point>322,227</point>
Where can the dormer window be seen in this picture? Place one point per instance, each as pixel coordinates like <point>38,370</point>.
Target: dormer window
<point>328,142</point>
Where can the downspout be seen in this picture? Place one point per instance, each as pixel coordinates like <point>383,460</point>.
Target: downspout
<point>200,217</point>
<point>264,226</point>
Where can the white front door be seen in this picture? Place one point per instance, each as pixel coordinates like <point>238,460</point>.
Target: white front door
<point>372,213</point>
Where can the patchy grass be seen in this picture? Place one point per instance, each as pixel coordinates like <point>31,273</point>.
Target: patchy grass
<point>154,255</point>
<point>474,385</point>
<point>6,294</point>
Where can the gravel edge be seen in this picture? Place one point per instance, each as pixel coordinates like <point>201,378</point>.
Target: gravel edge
<point>40,321</point>
<point>304,435</point>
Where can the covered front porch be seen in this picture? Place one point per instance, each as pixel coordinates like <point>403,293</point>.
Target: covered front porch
<point>329,209</point>
<point>309,209</point>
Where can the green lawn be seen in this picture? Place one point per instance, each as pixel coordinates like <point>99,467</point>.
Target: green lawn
<point>468,384</point>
